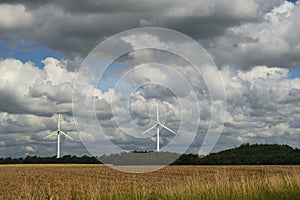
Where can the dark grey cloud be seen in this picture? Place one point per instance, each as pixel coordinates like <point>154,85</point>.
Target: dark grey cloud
<point>29,4</point>
<point>75,27</point>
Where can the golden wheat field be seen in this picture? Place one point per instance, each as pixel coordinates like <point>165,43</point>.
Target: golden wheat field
<point>68,181</point>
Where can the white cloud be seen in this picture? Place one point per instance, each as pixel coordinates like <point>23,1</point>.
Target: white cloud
<point>27,89</point>
<point>15,17</point>
<point>260,106</point>
<point>29,149</point>
<point>271,41</point>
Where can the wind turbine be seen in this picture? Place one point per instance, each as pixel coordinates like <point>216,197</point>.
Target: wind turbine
<point>58,131</point>
<point>156,125</point>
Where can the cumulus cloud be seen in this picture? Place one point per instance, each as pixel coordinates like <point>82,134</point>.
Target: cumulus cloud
<point>253,42</point>
<point>260,106</point>
<point>273,41</point>
<point>27,89</point>
<point>22,134</point>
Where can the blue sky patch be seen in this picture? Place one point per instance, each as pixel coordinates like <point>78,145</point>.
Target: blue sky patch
<point>294,73</point>
<point>27,51</point>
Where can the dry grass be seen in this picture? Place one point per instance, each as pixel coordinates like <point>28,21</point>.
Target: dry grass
<point>174,182</point>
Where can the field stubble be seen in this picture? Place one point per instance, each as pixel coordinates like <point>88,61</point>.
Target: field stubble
<point>173,182</point>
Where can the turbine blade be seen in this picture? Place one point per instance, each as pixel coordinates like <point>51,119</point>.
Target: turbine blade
<point>66,135</point>
<point>157,113</point>
<point>55,132</point>
<point>152,127</point>
<point>58,124</point>
<point>168,128</point>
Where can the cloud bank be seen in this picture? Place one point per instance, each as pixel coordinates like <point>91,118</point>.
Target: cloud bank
<point>254,43</point>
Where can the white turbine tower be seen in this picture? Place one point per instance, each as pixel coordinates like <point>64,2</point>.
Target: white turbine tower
<point>156,125</point>
<point>58,131</point>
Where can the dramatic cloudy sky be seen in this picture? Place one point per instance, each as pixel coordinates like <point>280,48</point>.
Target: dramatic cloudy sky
<point>254,43</point>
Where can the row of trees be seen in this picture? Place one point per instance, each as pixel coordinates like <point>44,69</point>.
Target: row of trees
<point>50,160</point>
<point>256,154</point>
<point>246,154</point>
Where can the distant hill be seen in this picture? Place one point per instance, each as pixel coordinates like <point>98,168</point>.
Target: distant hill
<point>246,154</point>
<point>255,154</point>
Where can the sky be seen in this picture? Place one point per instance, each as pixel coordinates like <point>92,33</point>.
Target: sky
<point>254,43</point>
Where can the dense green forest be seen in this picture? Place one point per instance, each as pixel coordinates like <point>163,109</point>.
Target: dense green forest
<point>255,154</point>
<point>246,154</point>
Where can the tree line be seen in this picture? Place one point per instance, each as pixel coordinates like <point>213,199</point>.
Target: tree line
<point>246,154</point>
<point>68,159</point>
